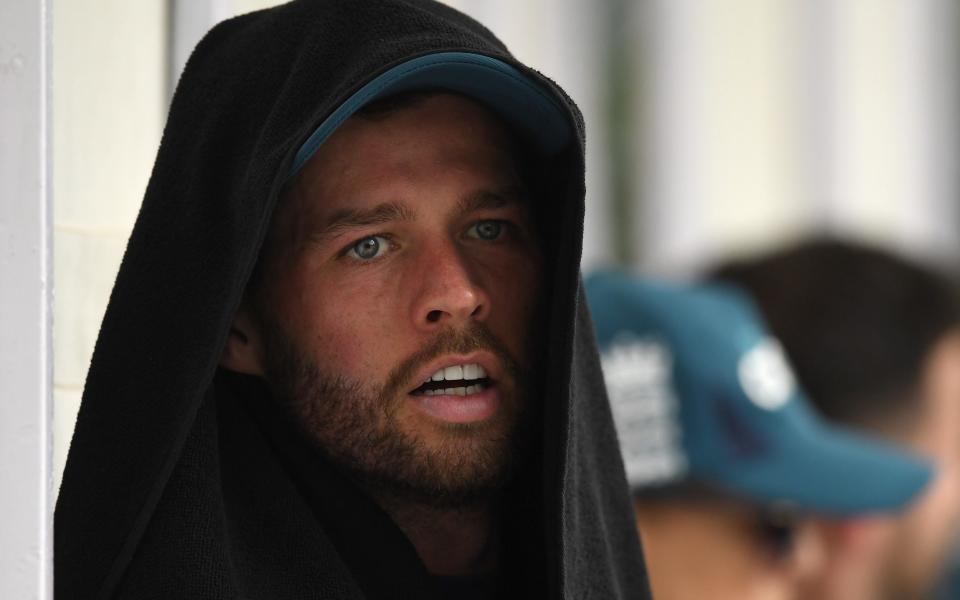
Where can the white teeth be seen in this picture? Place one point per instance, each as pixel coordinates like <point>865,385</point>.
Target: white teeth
<point>459,372</point>
<point>450,391</point>
<point>472,389</point>
<point>461,391</point>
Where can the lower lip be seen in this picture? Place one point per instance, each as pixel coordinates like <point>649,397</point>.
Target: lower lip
<point>471,408</point>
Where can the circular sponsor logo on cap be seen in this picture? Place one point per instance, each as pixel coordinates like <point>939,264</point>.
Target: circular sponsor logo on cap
<point>765,376</point>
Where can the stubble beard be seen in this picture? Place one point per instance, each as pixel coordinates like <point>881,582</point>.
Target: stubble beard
<point>360,428</point>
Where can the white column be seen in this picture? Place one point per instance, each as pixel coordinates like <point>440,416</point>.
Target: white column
<point>719,129</point>
<point>25,302</point>
<point>771,119</point>
<point>887,85</point>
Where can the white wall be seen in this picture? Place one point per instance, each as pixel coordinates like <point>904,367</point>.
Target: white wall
<point>887,154</point>
<point>25,303</point>
<point>767,119</point>
<point>109,105</point>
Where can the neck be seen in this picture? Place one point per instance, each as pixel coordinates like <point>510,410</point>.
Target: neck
<point>450,541</point>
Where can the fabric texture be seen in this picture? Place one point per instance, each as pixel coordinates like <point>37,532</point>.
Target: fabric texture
<point>175,485</point>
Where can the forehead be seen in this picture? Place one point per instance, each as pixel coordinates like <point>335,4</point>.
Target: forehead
<point>428,136</point>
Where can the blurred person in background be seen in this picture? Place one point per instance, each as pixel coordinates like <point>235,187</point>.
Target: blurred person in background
<point>875,342</point>
<point>729,465</point>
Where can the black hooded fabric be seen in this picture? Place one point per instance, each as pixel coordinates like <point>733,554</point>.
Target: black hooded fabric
<point>182,481</point>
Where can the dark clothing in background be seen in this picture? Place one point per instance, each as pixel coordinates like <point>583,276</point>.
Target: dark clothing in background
<point>183,481</point>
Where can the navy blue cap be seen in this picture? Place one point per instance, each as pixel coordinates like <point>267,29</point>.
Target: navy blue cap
<point>701,391</point>
<point>531,110</point>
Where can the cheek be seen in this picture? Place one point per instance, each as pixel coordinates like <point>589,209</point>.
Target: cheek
<point>928,526</point>
<point>342,325</point>
<point>520,293</point>
<point>514,289</point>
<point>941,503</point>
<point>517,274</point>
<point>947,494</point>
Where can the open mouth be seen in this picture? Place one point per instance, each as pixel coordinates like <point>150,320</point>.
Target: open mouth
<point>456,380</point>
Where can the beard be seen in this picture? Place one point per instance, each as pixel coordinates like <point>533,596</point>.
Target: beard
<point>393,455</point>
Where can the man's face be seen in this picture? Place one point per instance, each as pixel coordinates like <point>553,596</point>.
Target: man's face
<point>404,253</point>
<point>924,535</point>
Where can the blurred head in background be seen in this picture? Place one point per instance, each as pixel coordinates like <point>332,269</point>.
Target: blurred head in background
<point>875,342</point>
<point>730,467</point>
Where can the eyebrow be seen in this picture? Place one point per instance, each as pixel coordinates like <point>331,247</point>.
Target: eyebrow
<point>349,218</point>
<point>488,200</point>
<point>387,212</point>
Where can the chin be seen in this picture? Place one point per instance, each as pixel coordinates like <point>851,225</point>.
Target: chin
<point>445,465</point>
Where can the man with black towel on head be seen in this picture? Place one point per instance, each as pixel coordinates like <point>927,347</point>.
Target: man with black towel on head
<point>346,355</point>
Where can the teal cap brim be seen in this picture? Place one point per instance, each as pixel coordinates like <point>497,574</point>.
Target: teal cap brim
<point>820,467</point>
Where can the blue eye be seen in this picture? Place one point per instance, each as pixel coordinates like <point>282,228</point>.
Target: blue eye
<point>486,230</point>
<point>368,248</point>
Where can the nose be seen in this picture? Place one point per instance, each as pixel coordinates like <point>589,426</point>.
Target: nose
<point>810,553</point>
<point>449,291</point>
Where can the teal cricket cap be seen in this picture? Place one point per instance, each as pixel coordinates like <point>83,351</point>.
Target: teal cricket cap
<point>701,392</point>
<point>533,111</point>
